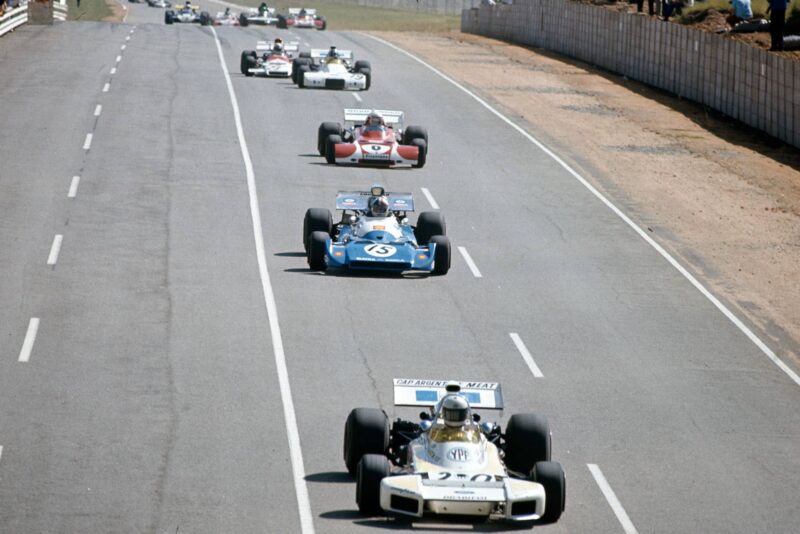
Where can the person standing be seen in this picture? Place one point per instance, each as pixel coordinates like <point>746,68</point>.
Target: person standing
<point>777,20</point>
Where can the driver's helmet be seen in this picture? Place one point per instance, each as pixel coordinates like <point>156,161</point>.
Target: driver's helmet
<point>374,119</point>
<point>227,11</point>
<point>277,45</point>
<point>455,410</point>
<point>378,206</point>
<point>302,11</point>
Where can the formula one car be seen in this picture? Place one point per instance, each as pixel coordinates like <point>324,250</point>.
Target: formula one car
<point>374,137</point>
<point>272,59</point>
<point>226,18</point>
<point>300,17</point>
<point>332,69</point>
<point>264,16</point>
<point>450,464</point>
<point>187,13</point>
<point>158,3</point>
<point>374,234</point>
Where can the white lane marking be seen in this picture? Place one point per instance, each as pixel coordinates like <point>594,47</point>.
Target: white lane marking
<point>666,255</point>
<point>1,452</point>
<point>30,337</point>
<point>290,419</point>
<point>55,248</point>
<point>87,144</point>
<point>305,43</point>
<point>611,497</point>
<point>73,187</point>
<point>123,47</point>
<point>113,70</point>
<point>106,87</point>
<point>471,264</point>
<point>429,197</point>
<point>523,350</point>
<point>119,58</point>
<point>98,110</point>
<point>128,37</point>
<point>356,96</point>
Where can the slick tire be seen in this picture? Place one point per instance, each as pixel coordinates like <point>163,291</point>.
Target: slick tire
<point>367,72</point>
<point>527,440</point>
<point>205,18</point>
<point>326,129</point>
<point>330,147</point>
<point>322,26</point>
<point>247,62</point>
<point>441,258</point>
<point>370,471</point>
<point>551,476</point>
<point>243,22</point>
<point>281,24</point>
<point>296,66</point>
<point>301,75</point>
<point>429,224</point>
<point>316,251</point>
<point>422,157</point>
<point>366,431</point>
<point>316,220</point>
<point>168,17</point>
<point>415,132</point>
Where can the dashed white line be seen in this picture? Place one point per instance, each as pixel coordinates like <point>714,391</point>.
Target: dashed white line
<point>113,70</point>
<point>611,497</point>
<point>73,187</point>
<point>55,248</point>
<point>769,353</point>
<point>106,87</point>
<point>30,337</point>
<point>87,144</point>
<point>98,110</point>
<point>471,264</point>
<point>119,58</point>
<point>305,43</point>
<point>357,96</point>
<point>523,350</point>
<point>123,47</point>
<point>290,419</point>
<point>429,197</point>
<point>128,37</point>
<point>1,452</point>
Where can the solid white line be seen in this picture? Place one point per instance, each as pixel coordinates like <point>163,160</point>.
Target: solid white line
<point>526,355</point>
<point>428,196</point>
<point>98,110</point>
<point>55,248</point>
<point>113,70</point>
<point>356,96</point>
<point>87,144</point>
<point>73,187</point>
<point>666,255</point>
<point>471,264</point>
<point>1,452</point>
<point>611,497</point>
<point>119,58</point>
<point>292,432</point>
<point>30,337</point>
<point>106,87</point>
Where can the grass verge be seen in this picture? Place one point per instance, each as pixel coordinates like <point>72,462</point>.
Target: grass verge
<point>89,10</point>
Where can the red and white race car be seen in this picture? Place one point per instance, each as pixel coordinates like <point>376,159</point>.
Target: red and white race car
<point>270,58</point>
<point>374,137</point>
<point>300,17</point>
<point>225,18</point>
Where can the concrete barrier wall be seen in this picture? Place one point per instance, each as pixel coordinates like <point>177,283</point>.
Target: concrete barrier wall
<point>442,7</point>
<point>749,84</point>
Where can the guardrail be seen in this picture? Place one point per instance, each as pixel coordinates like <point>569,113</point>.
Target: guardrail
<point>60,10</point>
<point>13,18</point>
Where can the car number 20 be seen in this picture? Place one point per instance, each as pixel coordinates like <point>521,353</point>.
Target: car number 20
<point>380,251</point>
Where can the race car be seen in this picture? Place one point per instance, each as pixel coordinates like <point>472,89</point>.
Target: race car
<point>373,137</point>
<point>270,58</point>
<point>449,463</point>
<point>300,17</point>
<point>264,16</point>
<point>158,3</point>
<point>226,18</point>
<point>374,234</point>
<point>332,69</point>
<point>187,13</point>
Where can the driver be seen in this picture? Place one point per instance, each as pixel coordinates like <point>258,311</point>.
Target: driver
<point>263,8</point>
<point>455,413</point>
<point>227,11</point>
<point>378,206</point>
<point>332,56</point>
<point>374,122</point>
<point>277,46</point>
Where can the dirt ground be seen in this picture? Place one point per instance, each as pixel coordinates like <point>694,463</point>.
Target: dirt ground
<point>117,10</point>
<point>723,198</point>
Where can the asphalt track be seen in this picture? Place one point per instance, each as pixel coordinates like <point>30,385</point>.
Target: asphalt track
<point>150,401</point>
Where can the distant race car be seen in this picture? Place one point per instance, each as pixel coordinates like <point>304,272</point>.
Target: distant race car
<point>448,463</point>
<point>270,58</point>
<point>300,17</point>
<point>332,69</point>
<point>374,234</point>
<point>226,18</point>
<point>264,16</point>
<point>373,137</point>
<point>158,3</point>
<point>187,13</point>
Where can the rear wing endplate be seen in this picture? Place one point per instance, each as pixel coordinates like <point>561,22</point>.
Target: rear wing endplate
<point>414,392</point>
<point>358,116</point>
<point>357,201</point>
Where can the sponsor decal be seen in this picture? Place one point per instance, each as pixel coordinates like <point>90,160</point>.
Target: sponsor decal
<point>472,477</point>
<point>379,227</point>
<point>443,383</point>
<point>463,498</point>
<point>380,251</point>
<point>458,454</point>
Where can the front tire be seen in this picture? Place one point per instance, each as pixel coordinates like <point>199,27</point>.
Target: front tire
<point>366,431</point>
<point>367,72</point>
<point>551,476</point>
<point>205,18</point>
<point>247,62</point>
<point>243,22</point>
<point>527,442</point>
<point>441,259</point>
<point>330,147</point>
<point>317,248</point>
<point>168,17</point>
<point>371,470</point>
<point>326,129</point>
<point>415,132</point>
<point>429,224</point>
<point>316,220</point>
<point>281,22</point>
<point>301,76</point>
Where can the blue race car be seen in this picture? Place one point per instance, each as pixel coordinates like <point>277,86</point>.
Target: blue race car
<point>374,234</point>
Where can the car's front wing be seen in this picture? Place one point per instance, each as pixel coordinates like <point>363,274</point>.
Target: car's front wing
<point>371,255</point>
<point>354,81</point>
<point>376,154</point>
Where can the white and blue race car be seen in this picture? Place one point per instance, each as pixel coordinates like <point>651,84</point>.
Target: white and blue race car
<point>374,234</point>
<point>451,464</point>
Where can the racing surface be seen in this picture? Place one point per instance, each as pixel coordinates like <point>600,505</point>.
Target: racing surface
<point>151,398</point>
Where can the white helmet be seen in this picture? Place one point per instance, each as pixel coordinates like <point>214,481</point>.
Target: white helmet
<point>378,206</point>
<point>455,410</point>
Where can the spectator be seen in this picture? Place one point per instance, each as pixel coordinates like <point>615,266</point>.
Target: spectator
<point>741,11</point>
<point>651,6</point>
<point>672,6</point>
<point>777,20</point>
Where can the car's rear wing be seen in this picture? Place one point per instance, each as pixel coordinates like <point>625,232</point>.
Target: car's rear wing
<point>296,11</point>
<point>266,46</point>
<point>357,201</point>
<point>322,53</point>
<point>414,392</point>
<point>358,116</point>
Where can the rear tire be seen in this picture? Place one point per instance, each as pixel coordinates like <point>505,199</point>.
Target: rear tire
<point>301,76</point>
<point>422,157</point>
<point>366,431</point>
<point>441,259</point>
<point>429,224</point>
<point>316,220</point>
<point>371,470</point>
<point>361,64</point>
<point>527,442</point>
<point>330,147</point>
<point>323,26</point>
<point>326,129</point>
<point>415,132</point>
<point>243,22</point>
<point>551,476</point>
<point>296,66</point>
<point>281,24</point>
<point>316,251</point>
<point>205,18</point>
<point>168,17</point>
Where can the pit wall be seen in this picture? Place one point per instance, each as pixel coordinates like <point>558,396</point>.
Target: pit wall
<point>759,88</point>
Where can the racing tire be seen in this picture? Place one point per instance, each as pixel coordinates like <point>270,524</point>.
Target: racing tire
<point>205,18</point>
<point>368,75</point>
<point>305,55</point>
<point>301,76</point>
<point>323,26</point>
<point>422,157</point>
<point>296,66</point>
<point>243,22</point>
<point>330,147</point>
<point>370,471</point>
<point>415,132</point>
<point>361,64</point>
<point>551,476</point>
<point>168,17</point>
<point>281,24</point>
<point>366,431</point>
<point>247,62</point>
<point>316,220</point>
<point>429,224</point>
<point>316,251</point>
<point>326,129</point>
<point>441,258</point>
<point>527,442</point>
